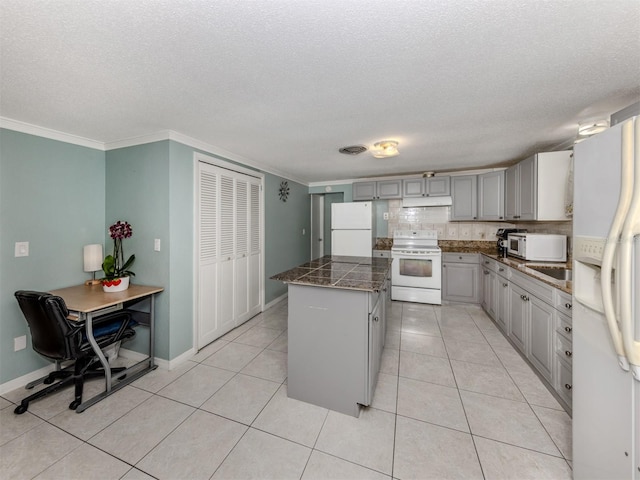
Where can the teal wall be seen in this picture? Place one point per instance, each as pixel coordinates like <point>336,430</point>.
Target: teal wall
<point>382,225</point>
<point>285,244</point>
<point>346,189</point>
<point>137,181</point>
<point>52,194</point>
<point>60,197</point>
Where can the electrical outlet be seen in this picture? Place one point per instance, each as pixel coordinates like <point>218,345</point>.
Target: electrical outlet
<point>21,249</point>
<point>19,343</point>
<point>156,244</point>
<point>385,215</point>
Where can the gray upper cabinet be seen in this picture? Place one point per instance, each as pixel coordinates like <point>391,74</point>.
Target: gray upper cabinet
<point>491,196</point>
<point>426,187</point>
<point>535,187</point>
<point>386,189</point>
<point>389,189</point>
<point>364,191</point>
<point>464,194</point>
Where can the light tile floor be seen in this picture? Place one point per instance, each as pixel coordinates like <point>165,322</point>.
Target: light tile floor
<point>453,400</point>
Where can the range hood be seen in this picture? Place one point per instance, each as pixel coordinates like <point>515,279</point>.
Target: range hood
<point>427,202</point>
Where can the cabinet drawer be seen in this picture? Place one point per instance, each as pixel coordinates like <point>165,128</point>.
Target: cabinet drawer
<point>564,349</point>
<point>562,301</point>
<point>489,263</point>
<point>541,290</point>
<point>460,258</point>
<point>563,326</point>
<point>564,385</point>
<point>382,253</point>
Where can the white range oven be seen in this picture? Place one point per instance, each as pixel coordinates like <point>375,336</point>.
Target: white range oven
<point>416,270</point>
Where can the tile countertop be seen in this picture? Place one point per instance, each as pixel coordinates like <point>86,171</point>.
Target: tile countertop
<point>354,273</point>
<point>520,265</point>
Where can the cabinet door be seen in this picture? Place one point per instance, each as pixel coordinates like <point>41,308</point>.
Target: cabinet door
<point>461,282</point>
<point>518,316</point>
<point>502,311</point>
<point>511,193</point>
<point>376,339</point>
<point>541,337</point>
<point>491,196</point>
<point>438,186</point>
<point>413,187</point>
<point>389,189</point>
<point>489,292</point>
<point>528,189</point>
<point>464,195</point>
<point>364,191</point>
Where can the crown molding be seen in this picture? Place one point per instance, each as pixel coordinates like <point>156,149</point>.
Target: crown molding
<point>38,131</point>
<point>49,133</point>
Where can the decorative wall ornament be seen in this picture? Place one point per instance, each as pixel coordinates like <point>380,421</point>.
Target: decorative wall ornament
<point>284,191</point>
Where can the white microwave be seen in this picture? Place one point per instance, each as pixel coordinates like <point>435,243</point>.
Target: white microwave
<point>538,247</point>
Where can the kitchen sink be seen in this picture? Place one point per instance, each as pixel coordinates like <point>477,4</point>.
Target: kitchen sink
<point>559,273</point>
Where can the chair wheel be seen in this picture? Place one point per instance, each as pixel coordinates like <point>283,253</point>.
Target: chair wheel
<point>20,409</point>
<point>122,377</point>
<point>48,381</point>
<point>75,404</point>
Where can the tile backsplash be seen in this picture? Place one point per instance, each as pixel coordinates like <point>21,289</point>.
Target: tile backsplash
<point>437,218</point>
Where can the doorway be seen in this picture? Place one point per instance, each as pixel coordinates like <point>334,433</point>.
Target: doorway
<point>321,222</point>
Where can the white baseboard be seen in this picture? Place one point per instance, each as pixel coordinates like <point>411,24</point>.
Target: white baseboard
<point>275,301</point>
<point>160,362</point>
<point>20,382</point>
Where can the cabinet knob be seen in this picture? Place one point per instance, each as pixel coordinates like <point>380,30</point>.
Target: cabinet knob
<point>567,329</point>
<point>375,319</point>
<point>475,218</point>
<point>501,269</point>
<point>486,272</point>
<point>568,353</point>
<point>505,285</point>
<point>567,306</point>
<point>459,258</point>
<point>500,218</point>
<point>486,262</point>
<point>567,386</point>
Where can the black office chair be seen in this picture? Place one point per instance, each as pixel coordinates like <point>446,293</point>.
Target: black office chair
<point>57,338</point>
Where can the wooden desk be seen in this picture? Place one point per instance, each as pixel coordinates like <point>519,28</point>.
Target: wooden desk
<point>92,301</point>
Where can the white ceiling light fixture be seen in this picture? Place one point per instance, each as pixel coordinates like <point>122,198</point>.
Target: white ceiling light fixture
<point>591,128</point>
<point>385,148</point>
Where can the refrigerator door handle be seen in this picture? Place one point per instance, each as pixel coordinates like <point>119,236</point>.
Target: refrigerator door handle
<point>631,228</point>
<point>626,191</point>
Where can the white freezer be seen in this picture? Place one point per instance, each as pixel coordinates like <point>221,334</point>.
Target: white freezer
<point>352,216</point>
<point>358,243</point>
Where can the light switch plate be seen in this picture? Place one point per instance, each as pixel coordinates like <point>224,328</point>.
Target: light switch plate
<point>19,343</point>
<point>156,244</point>
<point>22,249</point>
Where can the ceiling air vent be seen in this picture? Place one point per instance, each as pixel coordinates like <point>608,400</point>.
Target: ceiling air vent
<point>353,149</point>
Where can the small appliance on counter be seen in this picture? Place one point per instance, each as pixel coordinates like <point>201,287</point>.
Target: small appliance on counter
<point>502,235</point>
<point>537,247</point>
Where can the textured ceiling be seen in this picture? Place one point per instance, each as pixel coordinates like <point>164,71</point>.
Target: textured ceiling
<point>285,83</point>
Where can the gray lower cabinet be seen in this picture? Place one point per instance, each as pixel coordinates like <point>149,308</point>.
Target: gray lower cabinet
<point>518,317</point>
<point>536,318</point>
<point>335,346</point>
<point>541,337</point>
<point>461,277</point>
<point>502,285</point>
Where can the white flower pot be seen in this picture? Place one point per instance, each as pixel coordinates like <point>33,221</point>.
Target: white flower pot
<point>117,285</point>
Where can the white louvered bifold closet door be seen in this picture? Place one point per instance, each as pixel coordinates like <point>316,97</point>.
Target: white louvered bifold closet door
<point>229,250</point>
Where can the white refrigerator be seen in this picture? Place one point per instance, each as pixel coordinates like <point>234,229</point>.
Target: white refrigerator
<point>606,306</point>
<point>352,229</point>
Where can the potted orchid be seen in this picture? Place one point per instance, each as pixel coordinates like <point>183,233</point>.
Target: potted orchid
<point>116,270</point>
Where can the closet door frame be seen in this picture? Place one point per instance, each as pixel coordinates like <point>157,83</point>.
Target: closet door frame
<point>232,167</point>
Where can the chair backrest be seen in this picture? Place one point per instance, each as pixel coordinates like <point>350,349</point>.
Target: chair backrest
<point>47,318</point>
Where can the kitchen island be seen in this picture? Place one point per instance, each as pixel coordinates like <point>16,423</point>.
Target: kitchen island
<point>336,330</point>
